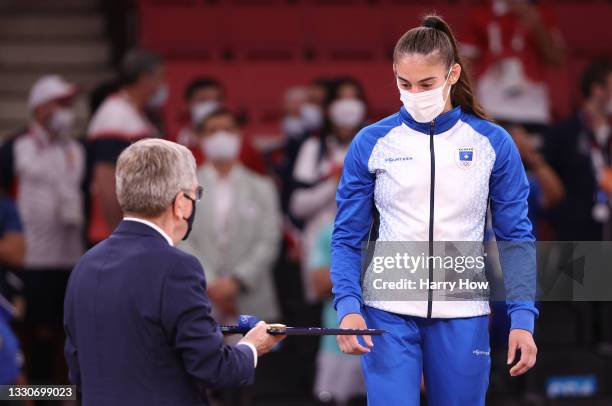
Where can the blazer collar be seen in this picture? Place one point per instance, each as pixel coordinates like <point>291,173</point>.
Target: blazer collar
<point>136,227</point>
<point>443,122</point>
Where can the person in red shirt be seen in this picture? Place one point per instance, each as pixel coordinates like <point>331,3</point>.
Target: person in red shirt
<point>509,43</point>
<point>118,122</point>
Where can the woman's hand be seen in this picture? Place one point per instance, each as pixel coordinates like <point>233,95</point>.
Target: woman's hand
<point>522,340</point>
<point>349,344</point>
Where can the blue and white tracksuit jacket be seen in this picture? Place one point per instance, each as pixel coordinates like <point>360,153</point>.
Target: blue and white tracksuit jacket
<point>409,176</point>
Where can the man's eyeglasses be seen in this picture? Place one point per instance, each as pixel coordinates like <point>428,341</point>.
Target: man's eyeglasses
<point>198,194</point>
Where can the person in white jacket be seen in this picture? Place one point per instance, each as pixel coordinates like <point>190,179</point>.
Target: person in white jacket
<point>422,176</point>
<point>236,235</point>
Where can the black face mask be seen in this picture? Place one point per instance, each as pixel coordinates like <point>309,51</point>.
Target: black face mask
<point>190,219</point>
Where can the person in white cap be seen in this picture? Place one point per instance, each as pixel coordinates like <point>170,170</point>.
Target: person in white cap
<point>118,122</point>
<point>48,165</point>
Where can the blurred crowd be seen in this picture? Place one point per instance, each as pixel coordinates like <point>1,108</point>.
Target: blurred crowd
<point>264,226</point>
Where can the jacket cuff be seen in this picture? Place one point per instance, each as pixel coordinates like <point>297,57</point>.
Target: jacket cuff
<point>347,305</point>
<point>522,319</point>
<point>253,350</point>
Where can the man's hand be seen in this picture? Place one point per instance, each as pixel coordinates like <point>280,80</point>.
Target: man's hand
<point>523,340</point>
<point>349,344</point>
<point>259,337</point>
<point>606,179</point>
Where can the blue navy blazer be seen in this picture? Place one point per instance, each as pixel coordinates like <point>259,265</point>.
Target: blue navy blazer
<point>139,329</point>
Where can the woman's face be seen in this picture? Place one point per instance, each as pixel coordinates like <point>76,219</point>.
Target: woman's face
<point>419,73</point>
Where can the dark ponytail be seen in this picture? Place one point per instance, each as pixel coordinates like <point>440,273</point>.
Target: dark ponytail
<point>435,35</point>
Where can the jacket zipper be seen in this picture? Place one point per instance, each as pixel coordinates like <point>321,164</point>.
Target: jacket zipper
<point>432,157</point>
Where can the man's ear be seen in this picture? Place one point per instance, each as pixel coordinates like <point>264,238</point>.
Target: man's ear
<point>177,205</point>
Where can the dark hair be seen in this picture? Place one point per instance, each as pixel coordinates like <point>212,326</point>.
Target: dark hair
<point>341,81</point>
<point>136,63</point>
<point>595,74</point>
<point>217,113</point>
<point>100,93</point>
<point>202,83</point>
<point>336,84</point>
<point>435,35</point>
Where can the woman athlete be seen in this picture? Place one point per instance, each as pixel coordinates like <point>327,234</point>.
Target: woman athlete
<point>428,173</point>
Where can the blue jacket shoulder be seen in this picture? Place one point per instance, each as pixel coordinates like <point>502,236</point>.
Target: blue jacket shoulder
<point>366,138</point>
<point>497,135</point>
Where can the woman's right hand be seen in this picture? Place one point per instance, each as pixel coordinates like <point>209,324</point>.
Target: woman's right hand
<point>349,344</point>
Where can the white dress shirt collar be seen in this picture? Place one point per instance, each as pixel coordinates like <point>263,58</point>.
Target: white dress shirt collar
<point>153,226</point>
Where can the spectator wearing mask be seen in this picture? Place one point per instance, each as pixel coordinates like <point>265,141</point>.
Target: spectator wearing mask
<point>320,91</point>
<point>203,96</point>
<point>237,236</point>
<point>49,166</point>
<point>294,125</point>
<point>303,106</point>
<point>580,150</point>
<point>511,42</point>
<point>119,121</point>
<point>12,254</point>
<point>319,164</point>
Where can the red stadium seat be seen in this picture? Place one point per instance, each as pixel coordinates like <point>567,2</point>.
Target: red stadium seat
<point>259,88</point>
<point>255,32</point>
<point>338,2</point>
<point>560,90</point>
<point>586,26</point>
<point>180,73</point>
<point>166,3</point>
<point>180,30</point>
<point>399,18</point>
<point>343,32</point>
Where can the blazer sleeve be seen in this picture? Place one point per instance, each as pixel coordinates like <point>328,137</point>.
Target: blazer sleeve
<point>187,320</point>
<point>70,350</point>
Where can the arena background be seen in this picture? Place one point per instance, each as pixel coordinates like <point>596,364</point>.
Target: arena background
<point>258,49</point>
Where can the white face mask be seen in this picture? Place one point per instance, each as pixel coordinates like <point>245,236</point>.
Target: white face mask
<point>312,116</point>
<point>347,113</point>
<point>425,106</point>
<point>159,97</point>
<point>62,121</point>
<point>293,127</point>
<point>221,146</point>
<point>201,110</point>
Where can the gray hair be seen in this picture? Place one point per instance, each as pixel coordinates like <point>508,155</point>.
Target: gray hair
<point>150,173</point>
